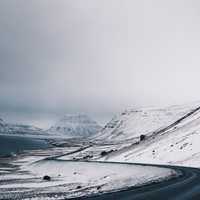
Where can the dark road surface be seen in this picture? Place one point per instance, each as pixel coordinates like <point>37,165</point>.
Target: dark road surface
<point>187,186</point>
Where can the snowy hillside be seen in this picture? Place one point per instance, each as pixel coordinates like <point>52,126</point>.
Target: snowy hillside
<point>174,141</point>
<point>132,123</point>
<point>75,126</point>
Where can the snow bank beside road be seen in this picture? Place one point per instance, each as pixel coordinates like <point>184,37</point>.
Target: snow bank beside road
<point>72,178</point>
<point>83,178</point>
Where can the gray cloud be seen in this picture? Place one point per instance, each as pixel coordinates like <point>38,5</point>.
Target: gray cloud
<point>97,56</point>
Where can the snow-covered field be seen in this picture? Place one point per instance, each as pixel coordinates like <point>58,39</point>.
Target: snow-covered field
<point>74,178</point>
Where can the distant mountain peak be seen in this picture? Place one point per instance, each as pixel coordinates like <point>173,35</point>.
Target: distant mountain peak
<point>75,125</point>
<point>76,118</point>
<point>20,129</point>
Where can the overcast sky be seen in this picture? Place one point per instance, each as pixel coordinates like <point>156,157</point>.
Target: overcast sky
<point>96,56</point>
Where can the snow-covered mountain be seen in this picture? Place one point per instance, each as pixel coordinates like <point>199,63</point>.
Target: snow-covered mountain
<point>24,129</point>
<point>19,129</point>
<point>130,124</point>
<point>172,137</point>
<point>69,126</point>
<point>79,125</point>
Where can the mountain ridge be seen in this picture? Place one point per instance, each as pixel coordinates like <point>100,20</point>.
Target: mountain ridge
<point>176,143</point>
<point>75,125</point>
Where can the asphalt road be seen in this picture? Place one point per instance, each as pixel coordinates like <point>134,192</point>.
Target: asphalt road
<point>185,187</point>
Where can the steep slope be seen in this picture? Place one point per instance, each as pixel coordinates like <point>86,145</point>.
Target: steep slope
<point>176,144</point>
<point>79,125</point>
<point>131,124</point>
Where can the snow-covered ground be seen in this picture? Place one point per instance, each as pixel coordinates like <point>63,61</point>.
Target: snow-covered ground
<point>74,178</point>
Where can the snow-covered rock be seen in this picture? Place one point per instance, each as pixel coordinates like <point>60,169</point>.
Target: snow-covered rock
<point>79,125</point>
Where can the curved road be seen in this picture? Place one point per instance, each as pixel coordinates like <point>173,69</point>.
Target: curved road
<point>185,187</point>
